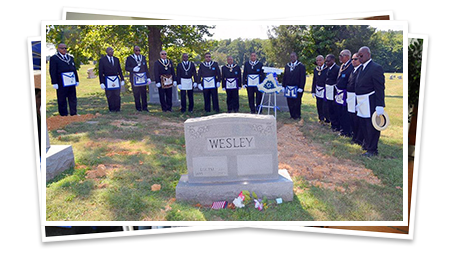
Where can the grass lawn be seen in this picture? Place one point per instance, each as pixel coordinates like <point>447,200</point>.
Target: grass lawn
<point>120,156</point>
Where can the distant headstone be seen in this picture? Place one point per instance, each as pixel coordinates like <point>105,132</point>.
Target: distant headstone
<point>391,77</point>
<point>91,74</point>
<point>228,153</point>
<point>154,98</point>
<point>399,77</point>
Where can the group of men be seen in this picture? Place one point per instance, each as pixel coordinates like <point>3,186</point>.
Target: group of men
<point>346,96</point>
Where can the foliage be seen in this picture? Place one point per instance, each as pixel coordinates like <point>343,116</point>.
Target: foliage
<point>311,41</point>
<point>415,52</point>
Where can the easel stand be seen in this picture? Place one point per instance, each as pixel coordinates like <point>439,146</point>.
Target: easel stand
<point>269,106</point>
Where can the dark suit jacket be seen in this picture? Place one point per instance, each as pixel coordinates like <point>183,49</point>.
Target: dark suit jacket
<point>319,79</point>
<point>331,77</point>
<point>159,70</point>
<point>204,71</point>
<point>372,79</point>
<point>130,63</point>
<point>236,73</point>
<point>180,72</point>
<point>352,80</point>
<point>297,77</point>
<point>58,66</point>
<point>256,70</point>
<point>342,79</point>
<point>105,68</point>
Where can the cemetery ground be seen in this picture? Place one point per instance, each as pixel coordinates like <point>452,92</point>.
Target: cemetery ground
<point>129,163</point>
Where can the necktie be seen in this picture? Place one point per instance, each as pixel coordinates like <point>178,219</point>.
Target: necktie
<point>111,60</point>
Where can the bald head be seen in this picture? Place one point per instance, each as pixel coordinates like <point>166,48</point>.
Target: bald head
<point>364,54</point>
<point>109,51</point>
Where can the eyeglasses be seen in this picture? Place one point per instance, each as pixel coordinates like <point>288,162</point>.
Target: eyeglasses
<point>64,48</point>
<point>355,58</point>
<point>360,55</point>
<point>164,53</point>
<point>137,50</point>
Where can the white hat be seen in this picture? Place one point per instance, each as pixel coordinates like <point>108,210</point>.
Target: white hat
<point>380,122</point>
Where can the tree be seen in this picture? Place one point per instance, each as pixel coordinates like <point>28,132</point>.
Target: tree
<point>89,42</point>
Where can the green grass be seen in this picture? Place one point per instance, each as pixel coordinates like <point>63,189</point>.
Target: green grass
<point>143,150</point>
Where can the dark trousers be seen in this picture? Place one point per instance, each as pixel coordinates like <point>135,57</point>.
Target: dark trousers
<point>294,106</point>
<point>184,94</point>
<point>320,110</point>
<point>232,100</point>
<point>330,113</point>
<point>64,94</point>
<point>208,94</point>
<point>254,97</point>
<point>113,97</point>
<point>166,98</point>
<point>344,120</point>
<point>357,135</point>
<point>140,94</point>
<point>370,135</point>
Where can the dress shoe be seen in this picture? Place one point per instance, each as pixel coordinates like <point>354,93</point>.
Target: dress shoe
<point>370,154</point>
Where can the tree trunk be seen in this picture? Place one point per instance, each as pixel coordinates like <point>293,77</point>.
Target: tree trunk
<point>155,46</point>
<point>413,126</point>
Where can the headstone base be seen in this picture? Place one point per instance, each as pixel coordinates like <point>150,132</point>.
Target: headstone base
<point>206,194</point>
<point>59,158</point>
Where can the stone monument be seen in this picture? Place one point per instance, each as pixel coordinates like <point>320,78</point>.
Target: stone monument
<point>59,158</point>
<point>228,153</point>
<point>154,98</point>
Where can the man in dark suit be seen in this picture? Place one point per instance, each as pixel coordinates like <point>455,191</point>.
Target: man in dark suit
<point>370,97</point>
<point>357,136</point>
<point>330,84</point>
<point>165,79</point>
<point>231,81</point>
<point>294,80</point>
<point>111,79</point>
<point>136,64</point>
<point>253,76</point>
<point>64,78</point>
<point>318,87</point>
<point>340,93</point>
<point>209,81</point>
<point>185,71</point>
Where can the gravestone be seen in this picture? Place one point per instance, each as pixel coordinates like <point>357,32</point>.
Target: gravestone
<point>91,73</point>
<point>228,153</point>
<point>154,98</point>
<point>59,158</point>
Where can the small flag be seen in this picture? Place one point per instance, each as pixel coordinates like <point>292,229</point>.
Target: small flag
<point>219,205</point>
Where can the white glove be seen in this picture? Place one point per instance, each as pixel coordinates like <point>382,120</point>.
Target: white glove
<point>77,83</point>
<point>223,89</point>
<point>56,86</point>
<point>218,84</point>
<point>300,90</point>
<point>174,83</point>
<point>283,89</point>
<point>244,86</point>
<point>200,87</point>
<point>179,86</point>
<point>158,85</point>
<point>379,110</point>
<point>313,95</point>
<point>136,69</point>
<point>122,83</point>
<point>148,81</point>
<point>102,86</point>
<point>195,85</point>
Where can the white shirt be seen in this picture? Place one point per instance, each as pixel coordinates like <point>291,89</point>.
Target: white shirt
<point>365,64</point>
